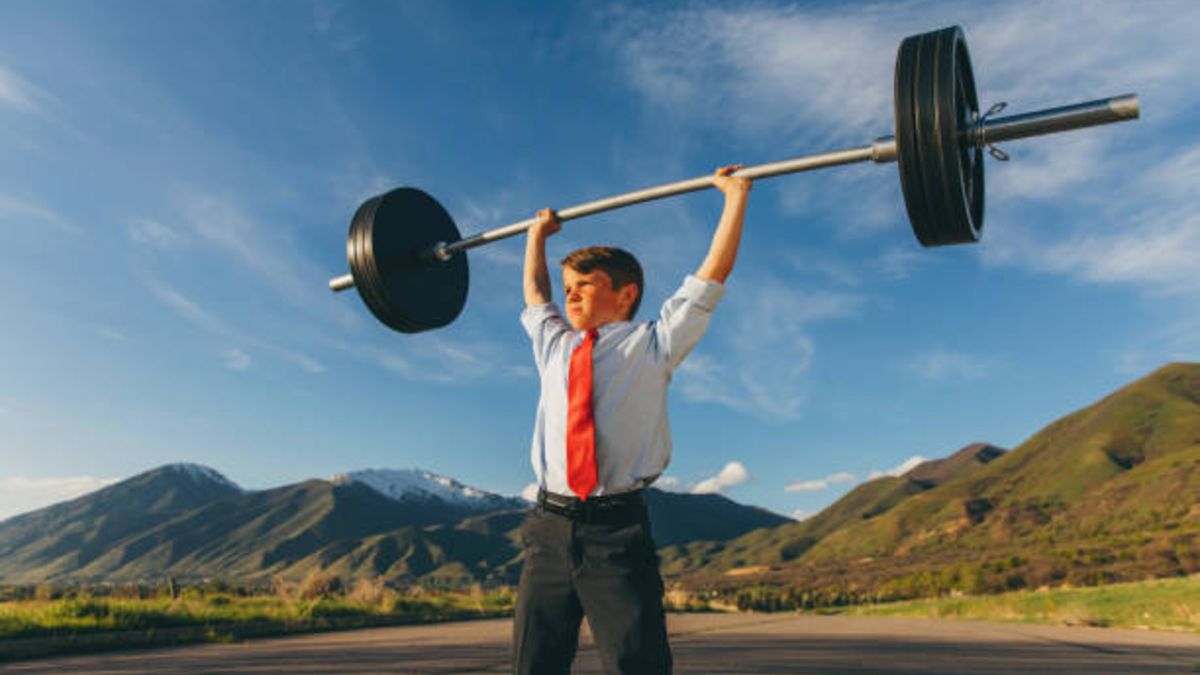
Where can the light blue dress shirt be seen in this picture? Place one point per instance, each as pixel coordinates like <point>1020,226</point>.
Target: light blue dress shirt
<point>631,368</point>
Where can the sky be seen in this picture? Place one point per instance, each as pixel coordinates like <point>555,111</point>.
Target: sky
<point>177,180</point>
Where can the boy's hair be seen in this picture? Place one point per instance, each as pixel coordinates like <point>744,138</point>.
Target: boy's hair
<point>618,264</point>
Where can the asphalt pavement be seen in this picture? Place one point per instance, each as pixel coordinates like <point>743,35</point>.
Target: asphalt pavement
<point>701,643</point>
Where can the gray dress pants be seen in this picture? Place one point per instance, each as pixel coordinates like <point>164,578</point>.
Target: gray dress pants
<point>605,568</point>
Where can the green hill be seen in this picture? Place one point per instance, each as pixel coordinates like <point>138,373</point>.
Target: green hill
<point>1111,492</point>
<point>789,542</point>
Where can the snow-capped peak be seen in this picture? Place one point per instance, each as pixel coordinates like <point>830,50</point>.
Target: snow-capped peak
<point>414,483</point>
<point>202,473</point>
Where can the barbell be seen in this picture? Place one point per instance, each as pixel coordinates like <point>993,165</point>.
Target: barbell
<point>407,258</point>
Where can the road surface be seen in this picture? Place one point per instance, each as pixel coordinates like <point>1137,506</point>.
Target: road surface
<point>702,643</point>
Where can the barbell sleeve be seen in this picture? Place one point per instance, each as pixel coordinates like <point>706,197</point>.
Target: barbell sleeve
<point>882,150</point>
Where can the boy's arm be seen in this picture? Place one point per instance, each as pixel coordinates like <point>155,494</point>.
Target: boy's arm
<point>723,252</point>
<point>537,277</point>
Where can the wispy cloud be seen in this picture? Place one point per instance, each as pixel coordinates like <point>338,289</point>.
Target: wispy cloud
<point>328,23</point>
<point>17,93</point>
<point>236,359</point>
<point>821,483</point>
<point>19,494</point>
<point>441,358</point>
<point>14,209</point>
<point>231,357</point>
<point>155,234</point>
<point>900,469</point>
<point>733,473</point>
<point>888,265</point>
<point>948,366</point>
<point>110,333</point>
<point>252,243</point>
<point>769,350</point>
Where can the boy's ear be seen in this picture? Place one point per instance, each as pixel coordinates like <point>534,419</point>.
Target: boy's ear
<point>627,295</point>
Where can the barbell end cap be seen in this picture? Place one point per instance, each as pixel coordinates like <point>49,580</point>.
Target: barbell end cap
<point>439,252</point>
<point>339,284</point>
<point>1126,106</point>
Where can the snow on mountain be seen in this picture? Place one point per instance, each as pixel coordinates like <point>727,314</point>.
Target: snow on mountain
<point>403,484</point>
<point>200,473</point>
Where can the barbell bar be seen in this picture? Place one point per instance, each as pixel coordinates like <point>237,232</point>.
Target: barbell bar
<point>406,254</point>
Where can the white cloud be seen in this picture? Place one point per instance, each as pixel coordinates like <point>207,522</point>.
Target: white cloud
<point>192,311</point>
<point>821,483</point>
<point>816,76</point>
<point>768,348</point>
<point>12,208</point>
<point>236,359</point>
<point>820,72</point>
<point>733,473</point>
<point>264,248</point>
<point>437,357</point>
<point>19,494</point>
<point>801,514</point>
<point>900,469</point>
<point>156,235</point>
<point>671,484</point>
<point>530,492</point>
<point>946,366</point>
<point>17,93</point>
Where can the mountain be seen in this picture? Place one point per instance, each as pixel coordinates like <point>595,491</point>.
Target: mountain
<point>190,522</point>
<point>1110,492</point>
<point>679,518</point>
<point>416,485</point>
<point>864,502</point>
<point>70,535</point>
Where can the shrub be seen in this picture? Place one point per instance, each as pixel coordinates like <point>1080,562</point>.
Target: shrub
<point>319,584</point>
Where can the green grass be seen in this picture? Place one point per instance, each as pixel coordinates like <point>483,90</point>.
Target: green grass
<point>1161,604</point>
<point>86,622</point>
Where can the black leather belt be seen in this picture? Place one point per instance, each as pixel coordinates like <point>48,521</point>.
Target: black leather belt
<point>614,509</point>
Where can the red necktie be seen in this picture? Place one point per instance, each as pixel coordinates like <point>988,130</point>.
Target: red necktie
<point>581,420</point>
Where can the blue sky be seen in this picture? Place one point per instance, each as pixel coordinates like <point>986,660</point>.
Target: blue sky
<point>176,181</point>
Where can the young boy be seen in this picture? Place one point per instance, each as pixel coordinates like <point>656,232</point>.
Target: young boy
<point>601,437</point>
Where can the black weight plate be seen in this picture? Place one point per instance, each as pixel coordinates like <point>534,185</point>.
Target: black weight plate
<point>366,280</point>
<point>941,170</point>
<point>908,159</point>
<point>927,118</point>
<point>407,290</point>
<point>959,161</point>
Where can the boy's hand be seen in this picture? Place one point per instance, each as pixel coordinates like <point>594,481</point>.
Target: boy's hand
<point>731,185</point>
<point>546,225</point>
<point>723,252</point>
<point>537,277</point>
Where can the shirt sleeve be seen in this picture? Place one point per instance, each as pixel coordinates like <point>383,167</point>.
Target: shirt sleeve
<point>685,316</point>
<point>546,328</point>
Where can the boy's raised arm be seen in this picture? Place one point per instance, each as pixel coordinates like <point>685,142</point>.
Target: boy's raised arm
<point>537,277</point>
<point>723,252</point>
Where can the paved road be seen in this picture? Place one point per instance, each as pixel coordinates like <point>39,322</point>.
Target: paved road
<point>716,643</point>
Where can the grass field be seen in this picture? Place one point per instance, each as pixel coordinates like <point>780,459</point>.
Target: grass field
<point>1161,604</point>
<point>82,621</point>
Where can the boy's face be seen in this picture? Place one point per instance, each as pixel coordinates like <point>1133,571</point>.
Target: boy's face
<point>591,300</point>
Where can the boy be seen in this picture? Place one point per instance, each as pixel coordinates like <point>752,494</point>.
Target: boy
<point>600,438</point>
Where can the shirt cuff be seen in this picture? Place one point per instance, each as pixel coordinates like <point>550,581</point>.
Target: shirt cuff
<point>533,316</point>
<point>702,293</point>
